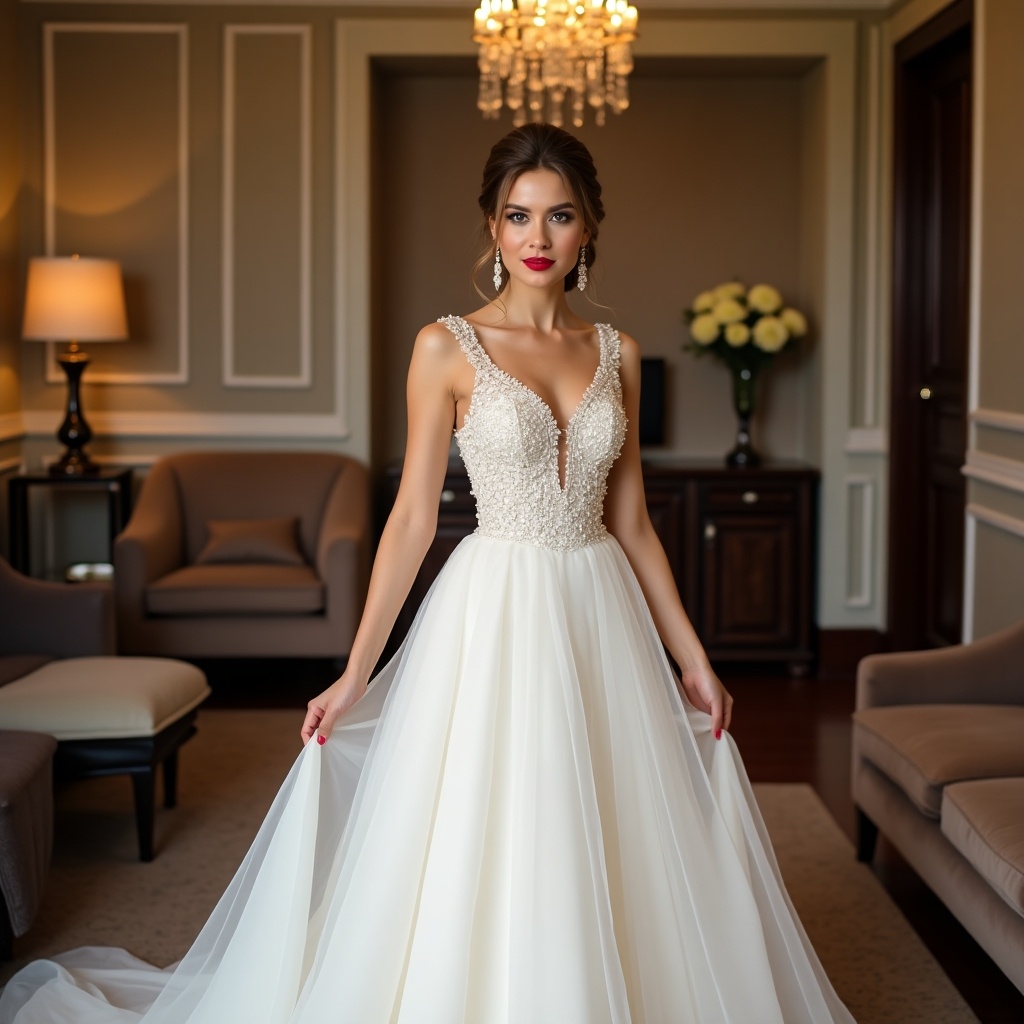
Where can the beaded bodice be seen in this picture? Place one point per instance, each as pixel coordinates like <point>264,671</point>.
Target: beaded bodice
<point>510,443</point>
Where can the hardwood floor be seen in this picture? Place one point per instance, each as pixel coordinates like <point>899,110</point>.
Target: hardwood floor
<point>788,730</point>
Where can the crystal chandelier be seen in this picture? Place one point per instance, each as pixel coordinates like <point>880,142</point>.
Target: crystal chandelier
<point>574,48</point>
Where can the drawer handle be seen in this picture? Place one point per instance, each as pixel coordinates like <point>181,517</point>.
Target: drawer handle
<point>447,496</point>
<point>710,532</point>
<point>750,497</point>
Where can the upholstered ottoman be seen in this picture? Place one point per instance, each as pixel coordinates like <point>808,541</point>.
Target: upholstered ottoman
<point>26,829</point>
<point>112,716</point>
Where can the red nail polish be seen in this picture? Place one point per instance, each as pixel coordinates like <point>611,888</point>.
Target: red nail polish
<point>321,740</point>
<point>718,734</point>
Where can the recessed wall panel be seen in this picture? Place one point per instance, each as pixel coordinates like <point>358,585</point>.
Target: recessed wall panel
<point>998,596</point>
<point>115,114</point>
<point>267,339</point>
<point>860,515</point>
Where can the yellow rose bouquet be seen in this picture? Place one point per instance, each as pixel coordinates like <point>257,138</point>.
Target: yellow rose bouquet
<point>745,329</point>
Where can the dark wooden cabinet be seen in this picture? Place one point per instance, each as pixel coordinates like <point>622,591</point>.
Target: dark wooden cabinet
<point>746,542</point>
<point>741,544</point>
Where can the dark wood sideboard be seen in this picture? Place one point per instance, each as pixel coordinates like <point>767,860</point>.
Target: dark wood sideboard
<point>741,544</point>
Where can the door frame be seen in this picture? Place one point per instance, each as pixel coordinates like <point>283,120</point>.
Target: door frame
<point>905,472</point>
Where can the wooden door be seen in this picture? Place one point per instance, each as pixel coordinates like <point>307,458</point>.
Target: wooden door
<point>932,159</point>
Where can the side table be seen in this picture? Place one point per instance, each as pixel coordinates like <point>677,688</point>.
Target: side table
<point>116,482</point>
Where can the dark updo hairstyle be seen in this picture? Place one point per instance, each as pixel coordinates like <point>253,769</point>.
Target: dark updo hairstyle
<point>535,147</point>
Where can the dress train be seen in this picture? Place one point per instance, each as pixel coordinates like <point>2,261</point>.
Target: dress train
<point>521,822</point>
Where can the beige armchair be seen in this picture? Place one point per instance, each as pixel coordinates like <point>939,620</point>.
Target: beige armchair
<point>245,554</point>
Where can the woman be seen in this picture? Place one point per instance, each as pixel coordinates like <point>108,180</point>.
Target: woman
<point>524,818</point>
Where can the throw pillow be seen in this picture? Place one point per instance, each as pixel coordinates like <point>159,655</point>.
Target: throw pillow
<point>252,540</point>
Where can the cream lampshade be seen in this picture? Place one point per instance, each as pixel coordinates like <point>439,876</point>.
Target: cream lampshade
<point>74,299</point>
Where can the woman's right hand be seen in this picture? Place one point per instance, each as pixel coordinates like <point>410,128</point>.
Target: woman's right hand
<point>324,710</point>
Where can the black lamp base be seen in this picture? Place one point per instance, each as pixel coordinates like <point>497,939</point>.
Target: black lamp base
<point>74,463</point>
<point>74,432</point>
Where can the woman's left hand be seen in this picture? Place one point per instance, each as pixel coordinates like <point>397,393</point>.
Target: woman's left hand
<point>704,691</point>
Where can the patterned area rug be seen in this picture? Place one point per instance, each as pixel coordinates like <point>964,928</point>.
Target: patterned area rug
<point>99,894</point>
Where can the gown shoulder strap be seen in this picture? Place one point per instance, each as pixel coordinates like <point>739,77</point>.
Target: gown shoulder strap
<point>466,337</point>
<point>610,346</point>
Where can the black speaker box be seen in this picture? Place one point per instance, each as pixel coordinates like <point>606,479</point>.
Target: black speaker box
<point>652,401</point>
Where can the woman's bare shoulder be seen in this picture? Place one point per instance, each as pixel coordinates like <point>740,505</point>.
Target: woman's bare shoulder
<point>436,341</point>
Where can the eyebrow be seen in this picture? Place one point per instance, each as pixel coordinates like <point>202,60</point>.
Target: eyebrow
<point>550,209</point>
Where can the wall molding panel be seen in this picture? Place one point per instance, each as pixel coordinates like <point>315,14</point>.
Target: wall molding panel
<point>194,424</point>
<point>1000,520</point>
<point>860,491</point>
<point>995,469</point>
<point>120,461</point>
<point>976,513</point>
<point>297,255</point>
<point>970,574</point>
<point>54,245</point>
<point>867,441</point>
<point>12,426</point>
<point>1013,421</point>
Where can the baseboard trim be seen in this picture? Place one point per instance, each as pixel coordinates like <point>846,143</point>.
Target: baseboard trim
<point>840,650</point>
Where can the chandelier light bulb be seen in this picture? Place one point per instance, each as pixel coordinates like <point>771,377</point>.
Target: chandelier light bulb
<point>539,54</point>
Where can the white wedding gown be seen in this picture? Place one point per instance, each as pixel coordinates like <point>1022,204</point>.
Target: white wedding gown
<point>520,823</point>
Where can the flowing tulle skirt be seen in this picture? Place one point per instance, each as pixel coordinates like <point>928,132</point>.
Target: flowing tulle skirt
<point>520,823</point>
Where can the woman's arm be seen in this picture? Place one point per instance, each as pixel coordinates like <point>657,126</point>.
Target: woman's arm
<point>628,521</point>
<point>430,395</point>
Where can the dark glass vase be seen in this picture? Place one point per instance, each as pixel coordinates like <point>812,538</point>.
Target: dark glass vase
<point>744,386</point>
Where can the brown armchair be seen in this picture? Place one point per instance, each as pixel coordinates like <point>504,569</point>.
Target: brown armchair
<point>40,622</point>
<point>254,595</point>
<point>938,768</point>
<point>43,620</point>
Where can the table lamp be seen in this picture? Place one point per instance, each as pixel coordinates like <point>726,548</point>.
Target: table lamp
<point>74,299</point>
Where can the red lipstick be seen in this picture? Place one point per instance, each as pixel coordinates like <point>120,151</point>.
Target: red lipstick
<point>538,263</point>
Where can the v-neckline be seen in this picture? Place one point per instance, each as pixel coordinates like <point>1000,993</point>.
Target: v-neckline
<point>544,405</point>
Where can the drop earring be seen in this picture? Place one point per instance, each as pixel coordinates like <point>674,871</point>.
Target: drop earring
<point>581,270</point>
<point>497,269</point>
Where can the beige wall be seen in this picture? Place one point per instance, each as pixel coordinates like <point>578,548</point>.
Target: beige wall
<point>196,145</point>
<point>237,211</point>
<point>701,182</point>
<point>10,276</point>
<point>10,183</point>
<point>723,166</point>
<point>1001,166</point>
<point>230,307</point>
<point>995,461</point>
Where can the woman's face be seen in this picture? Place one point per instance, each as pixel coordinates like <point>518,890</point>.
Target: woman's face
<point>539,231</point>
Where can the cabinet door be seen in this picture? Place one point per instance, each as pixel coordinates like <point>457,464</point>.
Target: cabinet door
<point>667,511</point>
<point>749,580</point>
